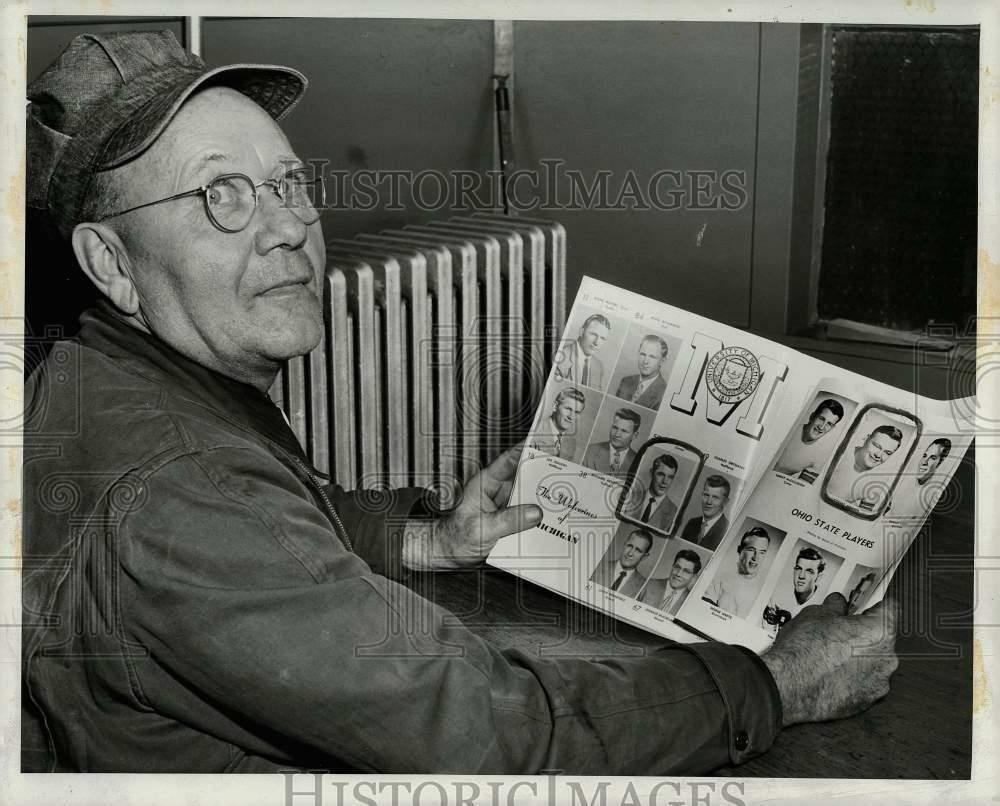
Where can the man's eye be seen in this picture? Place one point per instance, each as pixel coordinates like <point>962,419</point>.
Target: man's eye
<point>298,187</point>
<point>223,193</point>
<point>297,181</point>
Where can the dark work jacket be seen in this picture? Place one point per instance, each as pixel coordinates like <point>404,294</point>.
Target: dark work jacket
<point>196,601</point>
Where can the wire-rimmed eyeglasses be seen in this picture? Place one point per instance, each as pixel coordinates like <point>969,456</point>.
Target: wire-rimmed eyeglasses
<point>231,199</point>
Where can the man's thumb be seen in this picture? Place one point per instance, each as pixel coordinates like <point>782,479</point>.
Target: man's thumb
<point>508,520</point>
<point>836,604</point>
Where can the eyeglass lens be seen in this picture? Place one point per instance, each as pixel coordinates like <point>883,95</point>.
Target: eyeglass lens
<point>231,199</point>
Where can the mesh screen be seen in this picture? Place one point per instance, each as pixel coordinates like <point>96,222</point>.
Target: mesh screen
<point>899,238</point>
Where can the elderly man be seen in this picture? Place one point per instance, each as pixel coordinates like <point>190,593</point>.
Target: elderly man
<point>807,453</point>
<point>195,599</point>
<point>577,360</point>
<point>647,388</point>
<point>615,456</point>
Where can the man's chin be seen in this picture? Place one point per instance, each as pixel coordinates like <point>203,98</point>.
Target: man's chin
<point>294,336</point>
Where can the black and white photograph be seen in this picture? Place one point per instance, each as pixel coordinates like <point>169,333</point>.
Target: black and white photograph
<point>672,578</point>
<point>662,485</point>
<point>742,569</point>
<point>862,580</point>
<point>812,443</point>
<point>803,580</point>
<point>290,301</point>
<point>629,562</point>
<point>619,432</point>
<point>869,461</point>
<point>588,357</point>
<point>706,517</point>
<point>923,480</point>
<point>566,418</point>
<point>644,366</point>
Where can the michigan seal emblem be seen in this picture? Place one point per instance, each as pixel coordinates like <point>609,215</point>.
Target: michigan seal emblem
<point>732,374</point>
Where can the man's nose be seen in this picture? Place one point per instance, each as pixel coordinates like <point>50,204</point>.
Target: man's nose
<point>278,224</point>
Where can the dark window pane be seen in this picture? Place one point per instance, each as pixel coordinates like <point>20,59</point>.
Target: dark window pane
<point>899,238</point>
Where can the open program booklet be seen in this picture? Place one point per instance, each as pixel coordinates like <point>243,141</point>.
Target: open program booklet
<point>695,477</point>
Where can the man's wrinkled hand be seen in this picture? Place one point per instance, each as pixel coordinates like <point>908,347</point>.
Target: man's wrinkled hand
<point>829,665</point>
<point>465,535</point>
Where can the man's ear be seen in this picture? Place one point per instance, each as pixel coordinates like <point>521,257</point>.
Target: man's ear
<point>105,260</point>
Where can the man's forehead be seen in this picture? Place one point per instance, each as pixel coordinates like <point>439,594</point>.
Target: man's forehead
<point>219,128</point>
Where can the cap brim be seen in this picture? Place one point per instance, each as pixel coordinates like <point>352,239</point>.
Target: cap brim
<point>275,88</point>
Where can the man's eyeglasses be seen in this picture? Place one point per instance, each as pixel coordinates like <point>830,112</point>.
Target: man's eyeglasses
<point>231,199</point>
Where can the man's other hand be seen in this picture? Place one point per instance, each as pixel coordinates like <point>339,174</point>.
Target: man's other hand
<point>829,665</point>
<point>465,535</point>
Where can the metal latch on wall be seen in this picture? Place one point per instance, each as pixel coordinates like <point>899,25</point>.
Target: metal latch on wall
<point>503,77</point>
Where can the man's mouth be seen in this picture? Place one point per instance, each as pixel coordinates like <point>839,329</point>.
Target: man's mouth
<point>291,286</point>
<point>293,281</point>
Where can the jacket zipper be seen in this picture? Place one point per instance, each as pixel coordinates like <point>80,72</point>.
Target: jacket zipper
<point>339,524</point>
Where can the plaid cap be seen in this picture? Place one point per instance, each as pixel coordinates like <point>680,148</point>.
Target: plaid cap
<point>107,98</point>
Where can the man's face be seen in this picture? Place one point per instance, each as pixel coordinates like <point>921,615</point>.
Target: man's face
<point>592,338</point>
<point>751,556</point>
<point>862,589</point>
<point>805,575</point>
<point>621,433</point>
<point>636,547</point>
<point>929,462</point>
<point>877,448</point>
<point>713,499</point>
<point>681,574</point>
<point>566,414</point>
<point>241,302</point>
<point>650,359</point>
<point>820,424</point>
<point>661,479</point>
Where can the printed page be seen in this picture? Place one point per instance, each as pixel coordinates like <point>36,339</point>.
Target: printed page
<point>861,467</point>
<point>695,479</point>
<point>654,426</point>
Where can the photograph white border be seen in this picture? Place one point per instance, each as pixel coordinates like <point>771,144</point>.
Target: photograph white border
<point>16,787</point>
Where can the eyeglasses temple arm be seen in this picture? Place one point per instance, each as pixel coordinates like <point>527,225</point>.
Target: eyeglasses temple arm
<point>186,193</point>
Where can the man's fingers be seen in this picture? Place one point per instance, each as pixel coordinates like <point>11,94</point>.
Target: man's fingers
<point>505,465</point>
<point>887,609</point>
<point>509,520</point>
<point>502,494</point>
<point>886,615</point>
<point>836,604</point>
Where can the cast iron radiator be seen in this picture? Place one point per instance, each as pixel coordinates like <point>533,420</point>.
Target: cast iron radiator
<point>438,342</point>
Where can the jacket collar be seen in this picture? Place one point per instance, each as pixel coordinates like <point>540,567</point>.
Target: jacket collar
<point>144,354</point>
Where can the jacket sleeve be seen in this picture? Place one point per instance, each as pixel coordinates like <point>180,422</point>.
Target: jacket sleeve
<point>375,521</point>
<point>261,628</point>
